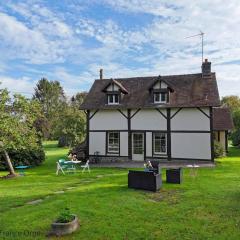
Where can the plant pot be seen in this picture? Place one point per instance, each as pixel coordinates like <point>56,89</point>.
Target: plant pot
<point>59,229</point>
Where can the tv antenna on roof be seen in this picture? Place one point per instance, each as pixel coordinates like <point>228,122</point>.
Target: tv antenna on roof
<point>200,34</point>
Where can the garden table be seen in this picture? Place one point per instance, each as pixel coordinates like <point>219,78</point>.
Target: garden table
<point>21,169</point>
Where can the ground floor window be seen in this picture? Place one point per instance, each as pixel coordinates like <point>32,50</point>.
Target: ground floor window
<point>113,140</point>
<point>159,143</point>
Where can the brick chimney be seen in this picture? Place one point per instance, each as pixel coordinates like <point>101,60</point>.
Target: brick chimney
<point>101,74</point>
<point>206,68</point>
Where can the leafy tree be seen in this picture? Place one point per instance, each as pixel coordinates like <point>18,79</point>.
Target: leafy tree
<point>77,100</point>
<point>17,116</point>
<point>233,102</point>
<point>236,118</point>
<point>70,128</point>
<point>51,96</point>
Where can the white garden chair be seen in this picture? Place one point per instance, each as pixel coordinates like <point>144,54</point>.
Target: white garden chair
<point>85,166</point>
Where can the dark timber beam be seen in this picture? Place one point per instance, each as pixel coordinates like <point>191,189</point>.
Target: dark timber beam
<point>176,113</point>
<point>129,135</point>
<point>211,134</point>
<point>203,112</point>
<point>90,117</point>
<point>135,113</point>
<point>161,113</point>
<point>226,141</point>
<point>169,151</point>
<point>122,113</point>
<point>87,130</point>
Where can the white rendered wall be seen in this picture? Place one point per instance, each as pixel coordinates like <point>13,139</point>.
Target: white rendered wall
<point>149,119</point>
<point>148,144</point>
<point>191,145</point>
<point>123,143</point>
<point>190,119</point>
<point>97,142</point>
<point>108,120</point>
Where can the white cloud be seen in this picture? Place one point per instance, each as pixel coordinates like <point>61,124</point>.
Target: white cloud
<point>158,47</point>
<point>23,85</point>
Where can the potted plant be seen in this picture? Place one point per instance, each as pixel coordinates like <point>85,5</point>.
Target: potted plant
<point>66,223</point>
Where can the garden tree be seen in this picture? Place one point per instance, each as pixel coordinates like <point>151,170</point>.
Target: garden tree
<point>70,127</point>
<point>17,116</point>
<point>77,99</point>
<point>233,102</point>
<point>51,96</point>
<point>236,119</point>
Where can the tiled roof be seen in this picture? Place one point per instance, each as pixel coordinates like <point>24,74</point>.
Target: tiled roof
<point>191,90</point>
<point>222,119</point>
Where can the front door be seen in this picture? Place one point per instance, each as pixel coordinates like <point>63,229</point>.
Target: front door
<point>138,146</point>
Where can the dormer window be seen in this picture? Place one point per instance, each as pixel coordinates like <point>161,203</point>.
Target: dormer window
<point>160,91</point>
<point>114,91</point>
<point>113,99</point>
<point>160,97</point>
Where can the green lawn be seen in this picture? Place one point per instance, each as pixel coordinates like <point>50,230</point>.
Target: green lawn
<point>204,207</point>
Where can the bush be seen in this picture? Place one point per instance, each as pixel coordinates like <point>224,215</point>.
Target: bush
<point>81,151</point>
<point>65,216</point>
<point>218,149</point>
<point>29,157</point>
<point>235,136</point>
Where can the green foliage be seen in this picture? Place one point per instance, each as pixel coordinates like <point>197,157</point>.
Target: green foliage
<point>233,102</point>
<point>17,117</point>
<point>29,157</point>
<point>236,118</point>
<point>218,149</point>
<point>65,216</point>
<point>77,100</point>
<point>70,126</point>
<point>51,97</point>
<point>235,136</point>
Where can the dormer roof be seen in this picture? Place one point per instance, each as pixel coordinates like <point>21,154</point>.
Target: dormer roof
<point>160,79</point>
<point>118,84</point>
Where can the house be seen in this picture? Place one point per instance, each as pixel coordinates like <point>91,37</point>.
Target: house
<point>159,117</point>
<point>222,124</point>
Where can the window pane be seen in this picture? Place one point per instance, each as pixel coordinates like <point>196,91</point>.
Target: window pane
<point>156,97</point>
<point>138,143</point>
<point>163,97</point>
<point>159,143</point>
<point>113,142</point>
<point>116,98</point>
<point>110,98</point>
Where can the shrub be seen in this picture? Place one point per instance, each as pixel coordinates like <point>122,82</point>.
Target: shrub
<point>29,157</point>
<point>65,216</point>
<point>235,136</point>
<point>80,150</point>
<point>218,149</point>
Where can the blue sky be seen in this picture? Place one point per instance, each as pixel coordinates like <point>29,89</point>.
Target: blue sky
<point>70,40</point>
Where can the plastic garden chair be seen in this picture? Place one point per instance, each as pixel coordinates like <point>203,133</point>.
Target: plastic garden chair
<point>62,165</point>
<point>85,166</point>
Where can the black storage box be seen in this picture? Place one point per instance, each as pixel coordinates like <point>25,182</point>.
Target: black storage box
<point>144,180</point>
<point>174,175</point>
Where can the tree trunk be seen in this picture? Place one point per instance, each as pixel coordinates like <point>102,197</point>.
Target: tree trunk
<point>9,163</point>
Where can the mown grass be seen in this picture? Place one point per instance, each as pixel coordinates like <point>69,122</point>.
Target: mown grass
<point>203,207</point>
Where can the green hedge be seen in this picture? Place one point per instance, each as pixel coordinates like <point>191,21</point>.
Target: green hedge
<point>29,157</point>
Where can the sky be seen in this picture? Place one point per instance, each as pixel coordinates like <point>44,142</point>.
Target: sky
<point>70,40</point>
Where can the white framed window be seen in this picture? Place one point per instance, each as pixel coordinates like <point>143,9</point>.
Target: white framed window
<point>113,142</point>
<point>159,143</point>
<point>113,99</point>
<point>160,97</point>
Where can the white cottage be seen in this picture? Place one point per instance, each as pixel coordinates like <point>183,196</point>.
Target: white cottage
<point>160,117</point>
